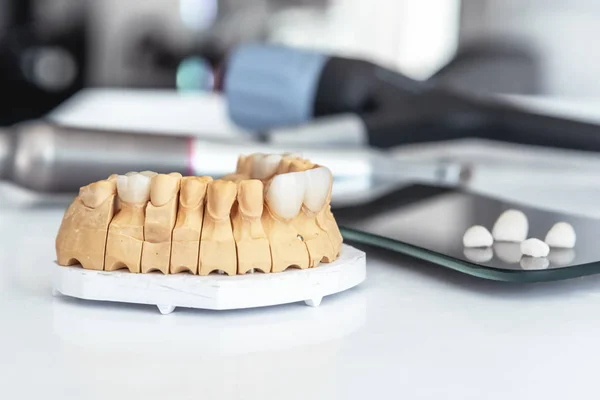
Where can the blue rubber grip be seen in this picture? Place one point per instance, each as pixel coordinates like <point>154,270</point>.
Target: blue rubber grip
<point>271,86</point>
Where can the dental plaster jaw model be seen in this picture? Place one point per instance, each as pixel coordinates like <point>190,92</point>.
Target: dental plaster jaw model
<point>273,213</point>
<point>159,230</point>
<point>187,230</point>
<point>477,236</point>
<point>82,234</point>
<point>534,248</point>
<point>561,235</point>
<point>511,226</point>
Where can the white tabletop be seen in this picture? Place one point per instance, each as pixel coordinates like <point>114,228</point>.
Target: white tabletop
<point>411,331</point>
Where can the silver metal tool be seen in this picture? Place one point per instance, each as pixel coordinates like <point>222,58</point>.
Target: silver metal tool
<point>49,158</point>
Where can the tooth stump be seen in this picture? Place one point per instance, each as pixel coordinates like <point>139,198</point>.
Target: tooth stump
<point>319,246</point>
<point>283,200</point>
<point>186,234</point>
<point>253,251</point>
<point>126,231</point>
<point>82,234</point>
<point>161,213</point>
<point>217,244</point>
<point>243,169</point>
<point>326,222</point>
<point>273,213</point>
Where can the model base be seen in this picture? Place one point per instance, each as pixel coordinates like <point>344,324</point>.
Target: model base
<point>214,292</point>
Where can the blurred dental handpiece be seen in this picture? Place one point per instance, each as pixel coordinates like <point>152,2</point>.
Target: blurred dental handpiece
<point>270,86</point>
<point>50,158</point>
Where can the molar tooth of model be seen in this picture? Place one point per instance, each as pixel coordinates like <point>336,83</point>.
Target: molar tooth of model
<point>94,194</point>
<point>161,213</point>
<point>217,244</point>
<point>264,166</point>
<point>317,183</point>
<point>284,165</point>
<point>283,201</point>
<point>253,252</point>
<point>126,232</point>
<point>188,227</point>
<point>82,235</point>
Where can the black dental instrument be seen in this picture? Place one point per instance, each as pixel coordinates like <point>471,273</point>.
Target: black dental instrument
<point>269,86</point>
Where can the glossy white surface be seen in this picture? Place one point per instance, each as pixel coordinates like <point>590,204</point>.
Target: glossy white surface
<point>213,292</point>
<point>411,330</point>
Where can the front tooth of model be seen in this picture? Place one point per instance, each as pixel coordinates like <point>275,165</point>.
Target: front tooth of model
<point>163,187</point>
<point>161,214</point>
<point>149,173</point>
<point>188,226</point>
<point>217,243</point>
<point>94,194</point>
<point>286,194</point>
<point>318,182</point>
<point>265,166</point>
<point>134,188</point>
<point>298,165</point>
<point>125,237</point>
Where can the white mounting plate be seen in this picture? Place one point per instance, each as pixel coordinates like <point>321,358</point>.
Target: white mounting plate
<point>214,292</point>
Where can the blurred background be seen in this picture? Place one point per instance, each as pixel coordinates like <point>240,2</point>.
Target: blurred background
<point>50,49</point>
<point>158,66</point>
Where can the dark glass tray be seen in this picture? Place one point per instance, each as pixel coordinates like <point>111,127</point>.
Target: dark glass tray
<point>428,223</point>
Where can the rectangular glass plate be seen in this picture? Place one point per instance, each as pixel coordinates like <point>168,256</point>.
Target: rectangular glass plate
<point>428,223</point>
